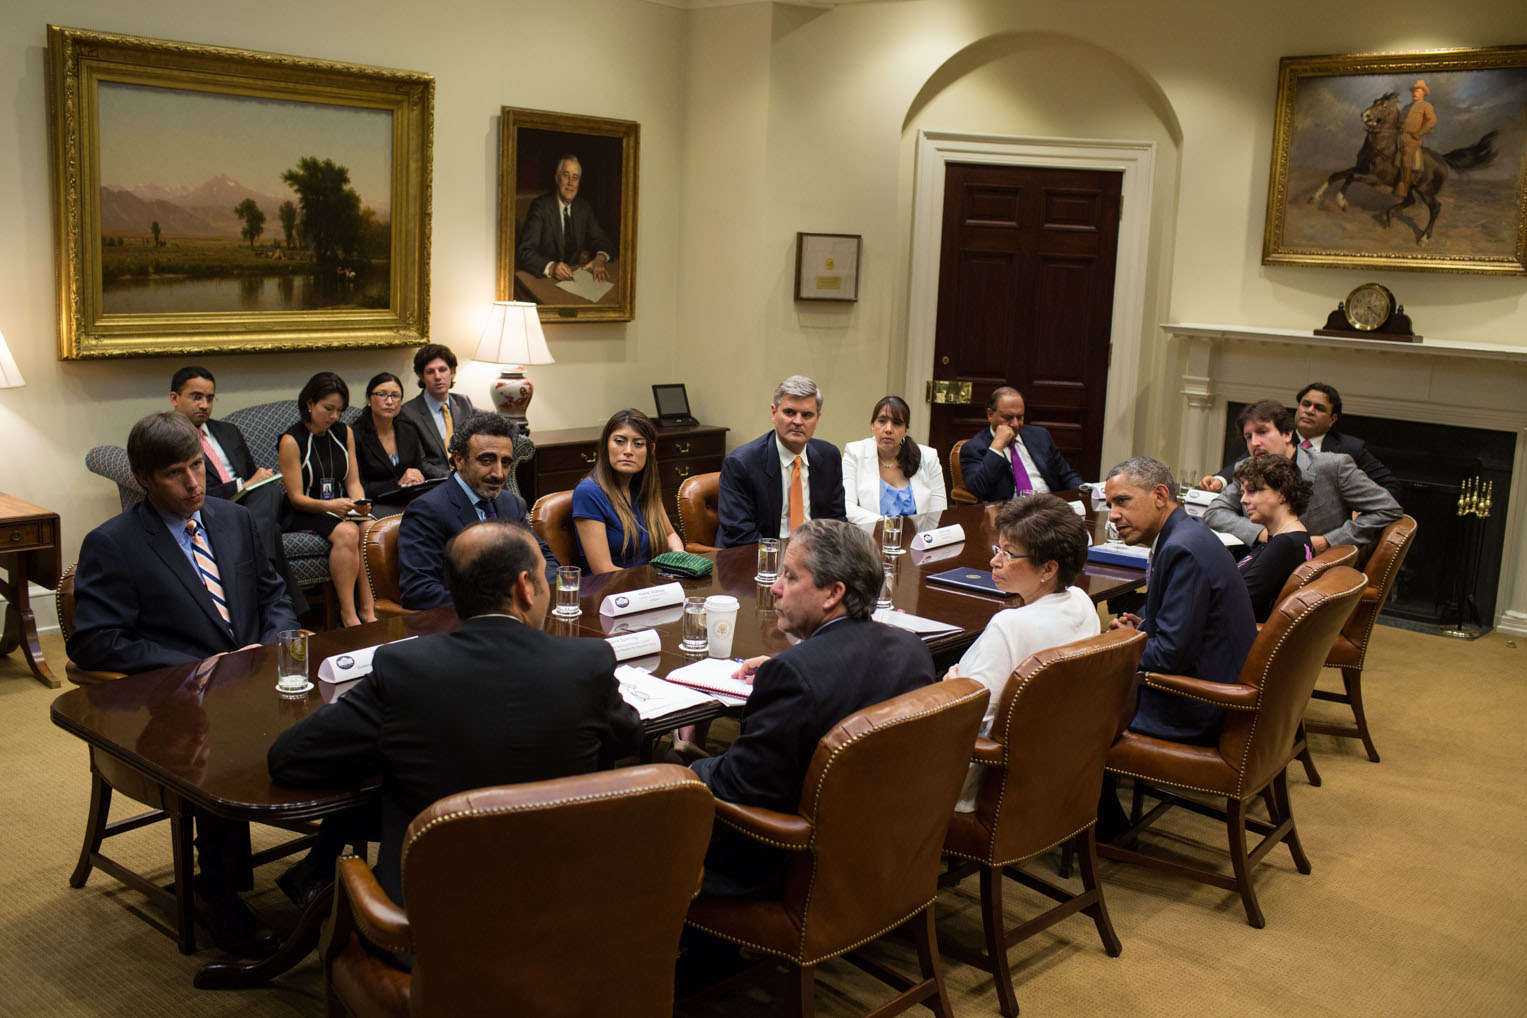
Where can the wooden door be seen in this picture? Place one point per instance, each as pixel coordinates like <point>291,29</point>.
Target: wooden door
<point>1025,299</point>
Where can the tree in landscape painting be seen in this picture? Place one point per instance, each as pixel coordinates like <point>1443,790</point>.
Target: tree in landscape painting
<point>254,220</point>
<point>288,215</point>
<point>154,227</point>
<point>330,208</point>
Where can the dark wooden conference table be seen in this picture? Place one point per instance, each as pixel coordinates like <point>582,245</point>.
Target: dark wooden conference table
<point>202,738</point>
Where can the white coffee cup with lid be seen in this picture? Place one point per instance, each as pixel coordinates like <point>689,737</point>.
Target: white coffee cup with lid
<point>720,624</point>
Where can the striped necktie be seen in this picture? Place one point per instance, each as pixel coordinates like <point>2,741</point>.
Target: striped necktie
<point>206,568</point>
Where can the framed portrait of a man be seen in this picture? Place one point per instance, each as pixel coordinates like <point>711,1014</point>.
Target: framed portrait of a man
<point>1401,161</point>
<point>567,214</point>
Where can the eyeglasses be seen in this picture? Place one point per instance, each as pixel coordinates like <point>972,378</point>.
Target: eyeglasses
<point>386,397</point>
<point>1006,556</point>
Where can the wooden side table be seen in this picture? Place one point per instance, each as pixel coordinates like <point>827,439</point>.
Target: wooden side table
<point>29,553</point>
<point>563,458</point>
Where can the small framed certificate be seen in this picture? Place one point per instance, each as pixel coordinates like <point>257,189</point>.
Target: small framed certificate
<point>827,266</point>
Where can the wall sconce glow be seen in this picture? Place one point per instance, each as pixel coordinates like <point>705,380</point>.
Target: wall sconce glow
<point>10,376</point>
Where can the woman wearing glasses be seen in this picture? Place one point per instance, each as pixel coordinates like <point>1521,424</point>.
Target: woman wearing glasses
<point>1041,548</point>
<point>388,446</point>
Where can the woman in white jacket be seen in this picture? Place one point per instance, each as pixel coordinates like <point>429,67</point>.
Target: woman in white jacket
<point>888,474</point>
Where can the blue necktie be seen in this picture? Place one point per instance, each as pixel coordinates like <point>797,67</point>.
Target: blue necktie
<point>488,509</point>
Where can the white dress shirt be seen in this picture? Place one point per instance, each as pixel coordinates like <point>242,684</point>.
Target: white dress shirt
<point>786,467</point>
<point>222,457</point>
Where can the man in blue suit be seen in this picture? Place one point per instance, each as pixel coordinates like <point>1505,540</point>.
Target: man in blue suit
<point>177,578</point>
<point>1198,615</point>
<point>1010,456</point>
<point>481,451</point>
<point>784,477</point>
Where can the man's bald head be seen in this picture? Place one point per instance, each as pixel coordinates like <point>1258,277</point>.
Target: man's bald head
<point>495,567</point>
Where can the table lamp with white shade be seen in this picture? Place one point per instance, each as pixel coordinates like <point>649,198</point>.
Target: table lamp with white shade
<point>512,339</point>
<point>10,377</point>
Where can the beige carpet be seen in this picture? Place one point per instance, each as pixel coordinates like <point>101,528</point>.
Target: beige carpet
<point>1414,907</point>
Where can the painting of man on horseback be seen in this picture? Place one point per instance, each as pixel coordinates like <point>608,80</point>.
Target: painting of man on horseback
<point>1471,194</point>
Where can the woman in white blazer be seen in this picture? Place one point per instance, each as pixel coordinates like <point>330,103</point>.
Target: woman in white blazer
<point>888,474</point>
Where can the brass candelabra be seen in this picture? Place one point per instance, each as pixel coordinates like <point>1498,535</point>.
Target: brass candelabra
<point>1475,502</point>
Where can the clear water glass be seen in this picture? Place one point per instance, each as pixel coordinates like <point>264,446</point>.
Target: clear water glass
<point>568,580</point>
<point>768,560</point>
<point>890,536</point>
<point>692,639</point>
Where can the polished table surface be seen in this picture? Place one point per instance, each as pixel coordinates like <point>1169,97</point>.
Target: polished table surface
<point>202,734</point>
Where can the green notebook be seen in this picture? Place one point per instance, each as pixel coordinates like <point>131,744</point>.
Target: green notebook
<point>682,563</point>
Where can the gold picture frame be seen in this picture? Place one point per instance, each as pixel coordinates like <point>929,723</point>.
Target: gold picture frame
<point>533,145</point>
<point>1333,196</point>
<point>357,146</point>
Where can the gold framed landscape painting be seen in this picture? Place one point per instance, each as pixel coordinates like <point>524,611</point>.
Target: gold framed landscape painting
<point>1401,161</point>
<point>214,200</point>
<point>567,214</point>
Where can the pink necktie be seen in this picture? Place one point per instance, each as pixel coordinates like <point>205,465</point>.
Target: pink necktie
<point>212,457</point>
<point>206,568</point>
<point>1021,482</point>
<point>1307,445</point>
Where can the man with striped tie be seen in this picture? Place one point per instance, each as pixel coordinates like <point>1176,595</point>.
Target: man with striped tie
<point>177,578</point>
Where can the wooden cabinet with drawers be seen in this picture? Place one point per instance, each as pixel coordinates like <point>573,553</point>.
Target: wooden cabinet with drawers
<point>563,458</point>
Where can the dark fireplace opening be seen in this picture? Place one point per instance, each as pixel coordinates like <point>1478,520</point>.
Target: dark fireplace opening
<point>1453,568</point>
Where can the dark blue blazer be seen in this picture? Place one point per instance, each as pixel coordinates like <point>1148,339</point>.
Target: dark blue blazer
<point>798,695</point>
<point>494,703</point>
<point>1198,621</point>
<point>749,500</point>
<point>429,522</point>
<point>990,478</point>
<point>138,604</point>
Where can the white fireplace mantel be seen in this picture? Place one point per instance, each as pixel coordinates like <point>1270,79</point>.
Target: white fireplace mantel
<point>1436,381</point>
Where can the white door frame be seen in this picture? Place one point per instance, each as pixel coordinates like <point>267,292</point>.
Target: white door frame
<point>1135,159</point>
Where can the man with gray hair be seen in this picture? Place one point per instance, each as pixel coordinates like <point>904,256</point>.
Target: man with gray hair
<point>845,662</point>
<point>783,478</point>
<point>1198,617</point>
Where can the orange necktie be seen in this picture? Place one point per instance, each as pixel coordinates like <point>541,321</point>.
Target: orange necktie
<point>797,504</point>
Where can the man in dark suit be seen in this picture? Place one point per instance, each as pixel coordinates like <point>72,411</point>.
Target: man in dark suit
<point>230,469</point>
<point>1010,456</point>
<point>1319,407</point>
<point>178,578</point>
<point>495,703</point>
<point>1198,616</point>
<point>561,234</point>
<point>482,448</point>
<point>437,410</point>
<point>824,596</point>
<point>779,480</point>
<point>1346,506</point>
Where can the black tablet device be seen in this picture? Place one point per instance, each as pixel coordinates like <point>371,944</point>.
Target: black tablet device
<point>672,406</point>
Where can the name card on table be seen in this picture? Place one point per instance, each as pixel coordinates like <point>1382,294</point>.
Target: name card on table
<point>629,645</point>
<point>935,538</point>
<point>350,665</point>
<point>628,602</point>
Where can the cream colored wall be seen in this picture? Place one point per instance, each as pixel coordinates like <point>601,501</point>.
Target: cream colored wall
<point>483,55</point>
<point>848,87</point>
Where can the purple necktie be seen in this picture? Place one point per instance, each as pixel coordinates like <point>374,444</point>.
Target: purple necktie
<point>1021,482</point>
<point>1307,445</point>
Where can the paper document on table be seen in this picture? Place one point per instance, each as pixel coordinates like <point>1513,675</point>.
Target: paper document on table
<point>652,697</point>
<point>583,284</point>
<point>925,628</point>
<point>350,665</point>
<point>714,675</point>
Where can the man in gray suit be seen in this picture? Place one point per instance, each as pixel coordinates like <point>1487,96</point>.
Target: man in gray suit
<point>437,410</point>
<point>1346,507</point>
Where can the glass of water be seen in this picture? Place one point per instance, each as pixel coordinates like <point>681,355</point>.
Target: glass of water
<point>568,579</point>
<point>693,639</point>
<point>890,536</point>
<point>768,560</point>
<point>887,580</point>
<point>292,661</point>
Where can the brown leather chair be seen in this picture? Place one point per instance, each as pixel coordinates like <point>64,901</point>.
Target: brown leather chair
<point>958,493</point>
<point>1056,718</point>
<point>1305,573</point>
<point>552,519</point>
<point>63,602</point>
<point>1351,646</point>
<point>875,806</point>
<point>698,519</point>
<point>1251,758</point>
<point>552,898</point>
<point>379,546</point>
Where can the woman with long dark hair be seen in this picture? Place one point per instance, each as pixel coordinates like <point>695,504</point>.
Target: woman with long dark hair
<point>323,486</point>
<point>618,508</point>
<point>888,474</point>
<point>388,445</point>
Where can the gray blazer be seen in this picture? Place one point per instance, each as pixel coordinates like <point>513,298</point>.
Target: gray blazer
<point>1340,489</point>
<point>437,462</point>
